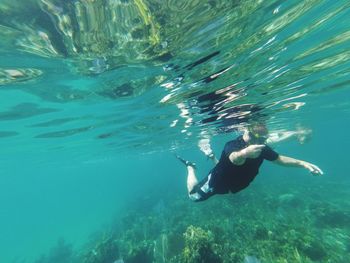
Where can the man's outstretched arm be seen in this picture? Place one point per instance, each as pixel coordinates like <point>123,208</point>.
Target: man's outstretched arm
<point>288,161</point>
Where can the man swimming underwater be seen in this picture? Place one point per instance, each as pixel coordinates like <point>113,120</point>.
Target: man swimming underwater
<point>239,164</point>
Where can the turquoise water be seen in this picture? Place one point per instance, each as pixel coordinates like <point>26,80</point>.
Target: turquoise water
<point>96,96</point>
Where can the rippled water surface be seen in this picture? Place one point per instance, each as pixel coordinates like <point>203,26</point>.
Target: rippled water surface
<point>94,78</point>
<point>114,73</point>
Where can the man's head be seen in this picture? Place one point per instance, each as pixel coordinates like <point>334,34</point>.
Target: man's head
<point>258,132</point>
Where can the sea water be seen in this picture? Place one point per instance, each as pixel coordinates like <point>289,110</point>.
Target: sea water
<point>96,97</point>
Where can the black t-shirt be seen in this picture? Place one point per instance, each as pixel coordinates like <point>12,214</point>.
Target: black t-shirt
<point>230,177</point>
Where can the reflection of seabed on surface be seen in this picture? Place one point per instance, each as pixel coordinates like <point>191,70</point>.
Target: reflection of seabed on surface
<point>204,64</point>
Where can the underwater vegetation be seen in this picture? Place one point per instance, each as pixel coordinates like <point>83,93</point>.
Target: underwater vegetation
<point>199,246</point>
<point>258,225</point>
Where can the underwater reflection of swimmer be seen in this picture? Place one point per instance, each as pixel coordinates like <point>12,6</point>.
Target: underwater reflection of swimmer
<point>212,109</point>
<point>301,134</point>
<point>234,118</point>
<point>239,164</point>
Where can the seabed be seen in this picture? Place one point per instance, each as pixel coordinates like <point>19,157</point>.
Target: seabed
<point>288,223</point>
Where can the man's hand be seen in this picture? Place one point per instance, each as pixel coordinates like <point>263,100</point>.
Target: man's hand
<point>288,161</point>
<point>253,151</point>
<point>313,169</point>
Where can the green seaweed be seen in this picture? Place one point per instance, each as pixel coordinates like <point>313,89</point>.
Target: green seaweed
<point>199,246</point>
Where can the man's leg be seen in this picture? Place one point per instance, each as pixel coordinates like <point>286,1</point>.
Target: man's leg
<point>192,180</point>
<point>197,191</point>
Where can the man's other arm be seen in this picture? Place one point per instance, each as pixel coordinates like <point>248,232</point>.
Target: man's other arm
<point>291,162</point>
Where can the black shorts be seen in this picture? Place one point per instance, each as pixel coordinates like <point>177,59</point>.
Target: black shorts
<point>203,190</point>
<point>211,185</point>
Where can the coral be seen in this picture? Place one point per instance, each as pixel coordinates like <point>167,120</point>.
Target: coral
<point>328,215</point>
<point>161,248</point>
<point>105,251</point>
<point>258,225</point>
<point>315,251</point>
<point>141,253</point>
<point>199,246</point>
<point>261,233</point>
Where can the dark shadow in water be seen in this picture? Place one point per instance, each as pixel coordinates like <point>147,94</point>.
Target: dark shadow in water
<point>54,122</point>
<point>64,133</point>
<point>23,111</point>
<point>4,134</point>
<point>124,90</point>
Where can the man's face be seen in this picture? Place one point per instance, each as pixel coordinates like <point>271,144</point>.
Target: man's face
<point>258,134</point>
<point>258,138</point>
